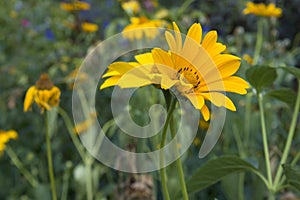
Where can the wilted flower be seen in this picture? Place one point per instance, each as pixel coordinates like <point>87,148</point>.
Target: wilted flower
<point>43,93</point>
<point>262,9</point>
<point>141,26</point>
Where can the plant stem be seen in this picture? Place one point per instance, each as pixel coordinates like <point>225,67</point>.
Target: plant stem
<point>247,119</point>
<point>16,161</point>
<point>66,179</point>
<point>289,139</point>
<point>72,133</point>
<point>162,170</point>
<point>259,41</point>
<point>178,162</point>
<point>89,184</point>
<point>265,140</point>
<point>49,156</point>
<point>88,161</point>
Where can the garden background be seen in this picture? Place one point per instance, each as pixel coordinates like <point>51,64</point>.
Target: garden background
<point>43,37</point>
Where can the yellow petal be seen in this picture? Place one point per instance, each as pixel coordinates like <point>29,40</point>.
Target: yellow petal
<point>178,37</point>
<point>195,32</point>
<point>196,100</point>
<point>29,98</point>
<point>112,81</point>
<point>137,77</point>
<point>145,58</point>
<point>211,45</point>
<point>205,112</point>
<point>219,100</point>
<point>118,68</point>
<point>226,64</point>
<point>230,84</point>
<point>162,57</point>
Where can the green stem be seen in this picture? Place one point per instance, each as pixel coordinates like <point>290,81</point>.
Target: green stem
<point>178,162</point>
<point>247,119</point>
<point>289,139</point>
<point>162,170</point>
<point>259,41</point>
<point>297,157</point>
<point>16,161</point>
<point>72,133</point>
<point>49,157</point>
<point>88,160</point>
<point>89,184</point>
<point>265,140</point>
<point>66,178</point>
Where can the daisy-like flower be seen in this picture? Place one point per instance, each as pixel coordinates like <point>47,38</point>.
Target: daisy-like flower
<point>89,27</point>
<point>43,93</point>
<point>75,6</point>
<point>196,69</point>
<point>262,9</point>
<point>131,7</point>
<point>142,26</point>
<point>5,136</point>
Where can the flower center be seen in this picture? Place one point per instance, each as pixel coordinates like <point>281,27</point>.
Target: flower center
<point>44,83</point>
<point>191,75</point>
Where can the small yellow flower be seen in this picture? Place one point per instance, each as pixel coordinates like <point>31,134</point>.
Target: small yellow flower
<point>248,58</point>
<point>43,93</point>
<point>5,136</point>
<point>78,5</point>
<point>262,9</point>
<point>131,7</point>
<point>141,26</point>
<point>89,27</point>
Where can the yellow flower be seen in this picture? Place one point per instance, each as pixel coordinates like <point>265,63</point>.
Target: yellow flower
<point>141,26</point>
<point>89,27</point>
<point>262,9</point>
<point>131,7</point>
<point>198,70</point>
<point>78,5</point>
<point>5,136</point>
<point>248,58</point>
<point>43,93</point>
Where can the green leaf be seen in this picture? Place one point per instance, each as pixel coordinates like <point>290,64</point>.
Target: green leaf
<point>285,95</point>
<point>261,76</point>
<point>293,176</point>
<point>215,170</point>
<point>293,70</point>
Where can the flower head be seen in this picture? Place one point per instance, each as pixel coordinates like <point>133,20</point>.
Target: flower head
<point>5,136</point>
<point>89,27</point>
<point>141,26</point>
<point>75,6</point>
<point>197,69</point>
<point>262,9</point>
<point>43,93</point>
